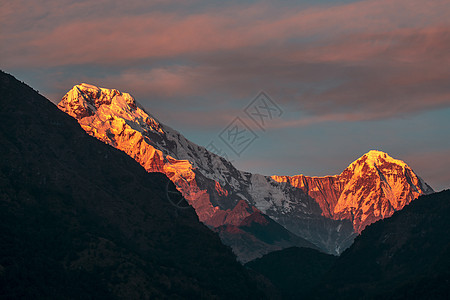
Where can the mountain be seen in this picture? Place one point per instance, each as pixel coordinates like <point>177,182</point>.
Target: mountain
<point>82,220</point>
<point>371,188</point>
<point>405,256</point>
<point>327,211</point>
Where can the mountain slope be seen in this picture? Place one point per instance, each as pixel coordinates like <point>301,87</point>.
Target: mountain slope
<point>294,271</point>
<point>83,220</point>
<point>327,211</point>
<point>258,229</point>
<point>406,256</point>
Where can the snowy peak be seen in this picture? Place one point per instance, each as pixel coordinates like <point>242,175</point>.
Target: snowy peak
<point>385,167</point>
<point>85,100</point>
<point>371,188</point>
<point>375,159</point>
<point>377,185</point>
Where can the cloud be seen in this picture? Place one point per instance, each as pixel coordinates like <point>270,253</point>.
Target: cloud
<point>364,60</point>
<point>70,32</point>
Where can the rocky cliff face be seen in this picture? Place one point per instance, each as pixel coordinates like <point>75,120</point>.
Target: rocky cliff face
<point>327,211</point>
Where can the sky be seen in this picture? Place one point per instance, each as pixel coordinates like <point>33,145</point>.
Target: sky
<point>346,76</point>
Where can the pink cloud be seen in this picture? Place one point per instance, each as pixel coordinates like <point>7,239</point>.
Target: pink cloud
<point>358,61</point>
<point>408,45</point>
<point>111,38</point>
<point>397,79</point>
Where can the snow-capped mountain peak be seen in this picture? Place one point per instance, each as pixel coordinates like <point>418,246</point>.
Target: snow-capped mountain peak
<point>374,159</point>
<point>85,100</point>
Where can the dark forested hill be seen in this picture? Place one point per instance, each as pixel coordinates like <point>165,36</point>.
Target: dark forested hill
<point>406,256</point>
<point>80,219</point>
<point>294,271</point>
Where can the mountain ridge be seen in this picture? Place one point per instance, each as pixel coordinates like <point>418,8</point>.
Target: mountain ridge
<point>327,211</point>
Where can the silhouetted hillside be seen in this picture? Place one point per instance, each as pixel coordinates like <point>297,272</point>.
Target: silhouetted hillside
<point>80,219</point>
<point>294,271</point>
<point>406,256</point>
